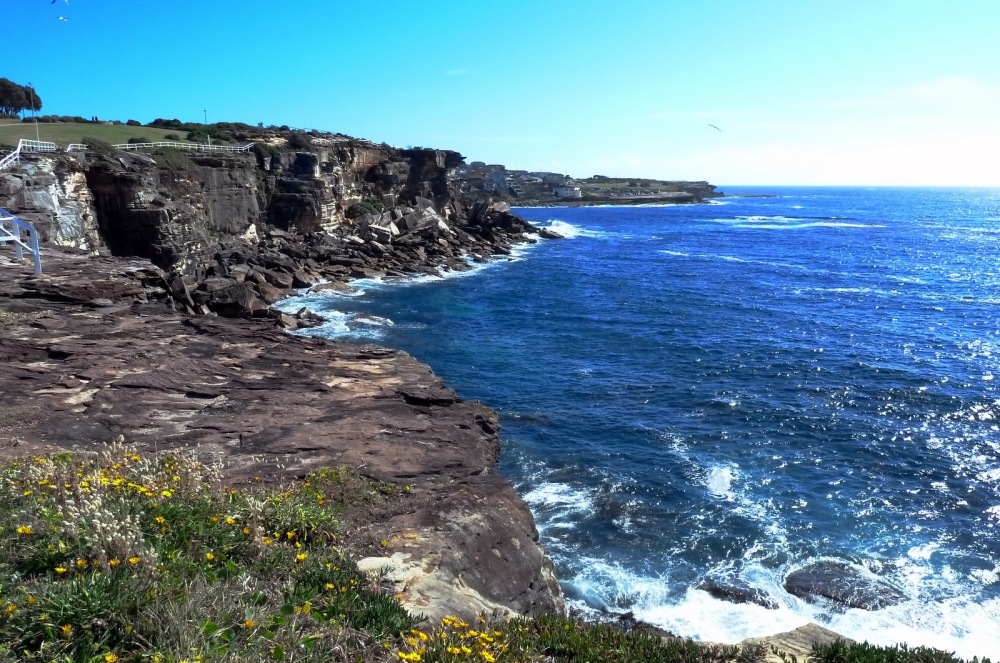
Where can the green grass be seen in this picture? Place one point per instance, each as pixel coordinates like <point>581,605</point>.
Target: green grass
<point>118,557</point>
<point>65,133</point>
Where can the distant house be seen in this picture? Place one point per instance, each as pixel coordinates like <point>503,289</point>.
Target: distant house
<point>567,192</point>
<point>495,180</point>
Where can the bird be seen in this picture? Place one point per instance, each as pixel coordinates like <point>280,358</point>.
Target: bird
<point>715,127</point>
<point>63,18</point>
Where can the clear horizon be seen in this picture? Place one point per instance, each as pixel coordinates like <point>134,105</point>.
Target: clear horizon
<point>898,94</point>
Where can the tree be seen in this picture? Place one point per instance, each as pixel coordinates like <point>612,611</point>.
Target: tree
<point>12,97</point>
<point>15,98</point>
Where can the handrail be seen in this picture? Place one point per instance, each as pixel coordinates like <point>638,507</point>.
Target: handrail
<point>194,147</point>
<point>76,147</point>
<point>25,145</point>
<point>14,235</point>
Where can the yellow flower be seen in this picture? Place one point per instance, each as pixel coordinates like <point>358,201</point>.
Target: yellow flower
<point>301,557</point>
<point>230,521</point>
<point>160,520</point>
<point>466,649</point>
<point>32,600</point>
<point>249,623</point>
<point>209,556</point>
<point>28,493</point>
<point>81,563</point>
<point>66,630</point>
<point>110,658</point>
<point>290,535</point>
<point>246,530</point>
<point>166,493</point>
<point>25,529</point>
<point>267,541</point>
<point>134,560</point>
<point>11,608</point>
<point>488,657</point>
<point>60,570</point>
<point>454,650</point>
<point>114,562</point>
<point>412,642</point>
<point>399,597</point>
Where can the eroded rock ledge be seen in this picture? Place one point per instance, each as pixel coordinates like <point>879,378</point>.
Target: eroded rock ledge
<point>87,356</point>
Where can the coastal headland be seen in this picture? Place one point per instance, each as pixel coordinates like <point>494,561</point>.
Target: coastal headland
<point>153,320</point>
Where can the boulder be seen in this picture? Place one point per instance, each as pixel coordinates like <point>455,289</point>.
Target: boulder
<point>302,279</point>
<point>271,295</point>
<point>279,279</point>
<point>236,301</point>
<point>548,234</point>
<point>842,584</point>
<point>737,591</point>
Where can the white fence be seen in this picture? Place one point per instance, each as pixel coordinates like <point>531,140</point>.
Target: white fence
<point>25,145</point>
<point>191,147</point>
<point>14,236</point>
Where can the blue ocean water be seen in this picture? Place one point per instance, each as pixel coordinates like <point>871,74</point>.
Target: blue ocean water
<point>738,389</point>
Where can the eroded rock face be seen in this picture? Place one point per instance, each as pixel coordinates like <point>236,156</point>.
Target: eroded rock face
<point>97,356</point>
<point>842,584</point>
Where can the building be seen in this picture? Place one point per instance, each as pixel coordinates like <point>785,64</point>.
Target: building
<point>567,192</point>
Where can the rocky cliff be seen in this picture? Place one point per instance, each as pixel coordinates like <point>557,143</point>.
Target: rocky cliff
<point>236,232</point>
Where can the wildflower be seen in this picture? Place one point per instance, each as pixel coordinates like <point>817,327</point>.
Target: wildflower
<point>66,630</point>
<point>249,623</point>
<point>11,608</point>
<point>230,521</point>
<point>330,585</point>
<point>399,597</point>
<point>412,642</point>
<point>321,501</point>
<point>267,541</point>
<point>29,493</point>
<point>215,519</point>
<point>114,562</point>
<point>81,563</point>
<point>210,557</point>
<point>134,560</point>
<point>422,635</point>
<point>488,657</point>
<point>25,530</point>
<point>454,650</point>
<point>60,570</point>
<point>160,520</point>
<point>290,535</point>
<point>32,600</point>
<point>110,658</point>
<point>301,557</point>
<point>246,530</point>
<point>466,650</point>
<point>166,493</point>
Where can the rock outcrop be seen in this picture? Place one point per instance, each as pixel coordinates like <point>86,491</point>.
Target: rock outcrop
<point>91,351</point>
<point>843,585</point>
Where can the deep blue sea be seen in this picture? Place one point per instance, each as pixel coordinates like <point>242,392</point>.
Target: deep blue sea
<point>739,389</point>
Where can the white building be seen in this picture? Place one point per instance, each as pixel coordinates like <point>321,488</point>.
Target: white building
<point>567,192</point>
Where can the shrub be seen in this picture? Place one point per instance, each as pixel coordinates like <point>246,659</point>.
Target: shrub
<point>172,159</point>
<point>300,141</point>
<point>98,145</point>
<point>173,137</point>
<point>264,150</point>
<point>141,139</point>
<point>369,206</point>
<point>134,123</point>
<point>840,652</point>
<point>151,558</point>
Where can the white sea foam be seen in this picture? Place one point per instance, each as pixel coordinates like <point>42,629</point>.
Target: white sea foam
<point>569,231</point>
<point>719,482</point>
<point>558,505</point>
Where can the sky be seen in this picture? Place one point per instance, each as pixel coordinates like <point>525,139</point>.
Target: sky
<point>873,92</point>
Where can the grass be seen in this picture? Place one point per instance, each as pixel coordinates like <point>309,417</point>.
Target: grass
<point>65,133</point>
<point>117,557</point>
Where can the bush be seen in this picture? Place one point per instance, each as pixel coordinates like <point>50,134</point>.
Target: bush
<point>840,652</point>
<point>152,559</point>
<point>134,123</point>
<point>172,159</point>
<point>173,137</point>
<point>370,206</point>
<point>98,145</point>
<point>299,141</point>
<point>264,150</point>
<point>141,139</point>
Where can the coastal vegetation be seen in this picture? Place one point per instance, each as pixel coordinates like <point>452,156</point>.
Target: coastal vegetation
<point>121,556</point>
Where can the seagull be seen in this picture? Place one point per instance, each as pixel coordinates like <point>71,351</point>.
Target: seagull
<point>715,127</point>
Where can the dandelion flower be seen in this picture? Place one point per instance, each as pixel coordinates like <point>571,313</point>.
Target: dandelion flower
<point>160,520</point>
<point>114,562</point>
<point>301,557</point>
<point>66,630</point>
<point>165,493</point>
<point>134,560</point>
<point>60,570</point>
<point>210,557</point>
<point>249,623</point>
<point>246,530</point>
<point>25,530</point>
<point>110,658</point>
<point>81,563</point>
<point>230,520</point>
<point>32,600</point>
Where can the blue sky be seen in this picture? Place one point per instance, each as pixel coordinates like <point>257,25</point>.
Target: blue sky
<point>875,92</point>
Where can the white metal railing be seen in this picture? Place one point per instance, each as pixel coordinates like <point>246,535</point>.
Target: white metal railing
<point>192,147</point>
<point>76,147</point>
<point>14,235</point>
<point>25,145</point>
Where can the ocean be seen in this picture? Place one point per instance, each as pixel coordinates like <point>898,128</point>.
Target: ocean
<point>736,390</point>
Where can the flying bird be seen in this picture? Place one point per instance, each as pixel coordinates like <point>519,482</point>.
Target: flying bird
<point>715,127</point>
